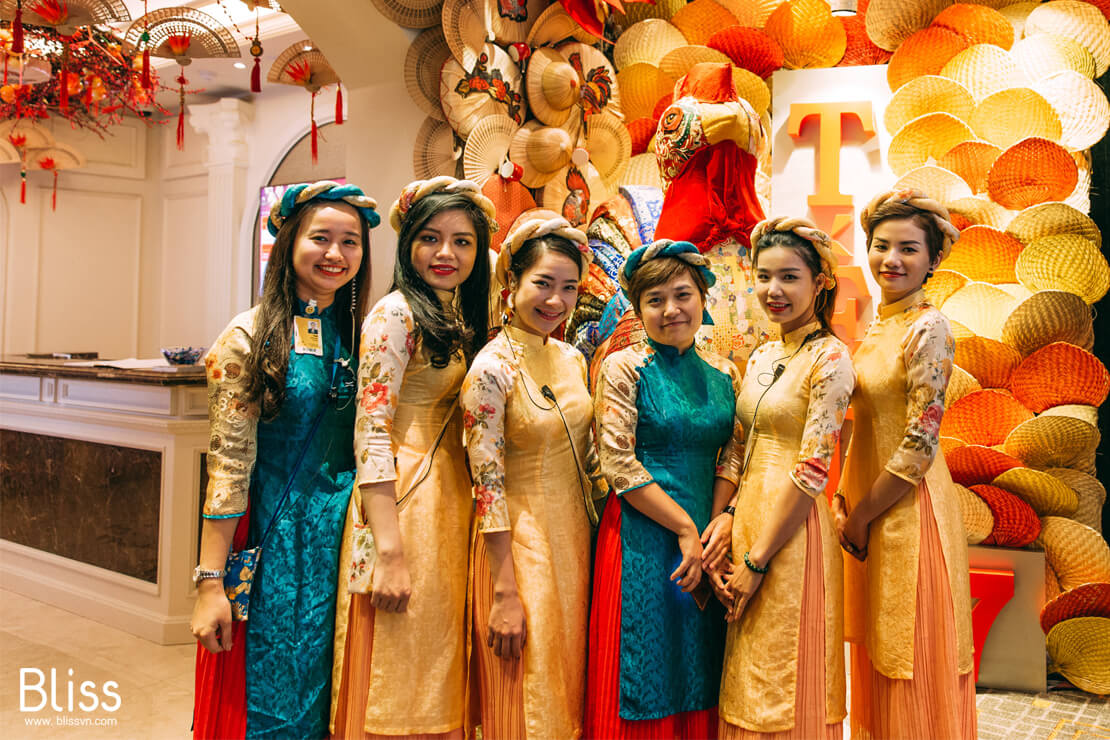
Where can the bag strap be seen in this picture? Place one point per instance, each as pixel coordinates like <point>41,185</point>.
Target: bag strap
<point>426,462</point>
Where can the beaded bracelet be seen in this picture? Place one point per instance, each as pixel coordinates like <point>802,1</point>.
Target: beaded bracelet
<point>755,567</point>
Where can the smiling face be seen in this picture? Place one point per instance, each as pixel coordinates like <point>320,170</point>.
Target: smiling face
<point>899,258</point>
<point>328,252</point>
<point>444,250</point>
<point>786,287</point>
<point>545,293</point>
<point>672,312</point>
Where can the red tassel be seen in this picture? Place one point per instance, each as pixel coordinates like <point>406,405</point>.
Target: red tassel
<point>22,187</point>
<point>338,104</point>
<point>54,195</point>
<point>147,82</point>
<point>17,30</point>
<point>181,113</point>
<point>63,89</point>
<point>312,113</point>
<point>256,76</point>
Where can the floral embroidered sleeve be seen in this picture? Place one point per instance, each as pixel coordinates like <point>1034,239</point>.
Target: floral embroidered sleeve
<point>232,423</point>
<point>928,351</point>
<point>615,418</point>
<point>484,394</point>
<point>830,390</point>
<point>731,457</point>
<point>388,342</point>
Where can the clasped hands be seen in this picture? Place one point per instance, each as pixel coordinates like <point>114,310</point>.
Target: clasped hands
<point>733,586</point>
<point>852,530</point>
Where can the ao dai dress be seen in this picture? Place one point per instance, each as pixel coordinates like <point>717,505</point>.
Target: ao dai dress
<point>288,637</point>
<point>784,660</point>
<point>655,658</point>
<point>908,605</point>
<point>529,481</point>
<point>404,673</point>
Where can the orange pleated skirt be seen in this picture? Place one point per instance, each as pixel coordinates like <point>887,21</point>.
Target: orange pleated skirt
<point>938,702</point>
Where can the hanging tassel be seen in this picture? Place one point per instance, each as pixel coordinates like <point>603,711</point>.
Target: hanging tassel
<point>181,113</point>
<point>147,82</point>
<point>338,104</point>
<point>256,76</point>
<point>22,185</point>
<point>312,113</point>
<point>63,89</point>
<point>17,29</point>
<point>54,195</point>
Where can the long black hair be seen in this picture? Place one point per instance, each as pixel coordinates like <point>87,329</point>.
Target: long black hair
<point>825,301</point>
<point>532,249</point>
<point>463,326</point>
<point>268,360</point>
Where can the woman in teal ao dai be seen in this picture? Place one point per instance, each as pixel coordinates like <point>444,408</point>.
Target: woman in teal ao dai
<point>670,448</point>
<point>281,384</point>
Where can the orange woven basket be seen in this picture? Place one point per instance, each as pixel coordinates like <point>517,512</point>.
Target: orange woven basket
<point>924,53</point>
<point>1059,374</point>
<point>1015,522</point>
<point>641,130</point>
<point>975,464</point>
<point>983,417</point>
<point>989,361</point>
<point>985,253</point>
<point>972,161</point>
<point>1087,600</point>
<point>748,48</point>
<point>977,24</point>
<point>808,32</point>
<point>1032,171</point>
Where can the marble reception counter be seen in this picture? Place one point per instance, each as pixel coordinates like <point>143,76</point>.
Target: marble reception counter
<point>101,483</point>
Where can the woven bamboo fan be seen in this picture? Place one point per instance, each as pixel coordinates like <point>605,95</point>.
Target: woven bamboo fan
<point>1045,317</point>
<point>58,157</point>
<point>1015,522</point>
<point>974,464</point>
<point>436,152</point>
<point>924,53</point>
<point>21,136</point>
<point>1091,493</point>
<point>972,161</point>
<point>67,15</point>
<point>977,516</point>
<point>423,62</point>
<point>927,94</point>
<point>303,65</point>
<point>1047,495</point>
<point>411,13</point>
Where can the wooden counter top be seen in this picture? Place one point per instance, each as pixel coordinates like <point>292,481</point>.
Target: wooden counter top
<point>173,375</point>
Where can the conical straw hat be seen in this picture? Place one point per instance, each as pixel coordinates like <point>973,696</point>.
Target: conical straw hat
<point>941,184</point>
<point>1049,219</point>
<point>1074,20</point>
<point>643,169</point>
<point>1045,54</point>
<point>978,24</point>
<point>923,54</point>
<point>990,362</point>
<point>1052,442</point>
<point>487,147</point>
<point>1065,262</point>
<point>1060,373</point>
<point>960,384</point>
<point>979,210</point>
<point>972,161</point>
<point>974,464</point>
<point>541,151</point>
<point>984,417</point>
<point>1086,600</point>
<point>642,85</point>
<point>808,32</point>
<point>890,22</point>
<point>700,19</point>
<point>981,307</point>
<point>1032,171</point>
<point>553,86</point>
<point>1081,106</point>
<point>748,48</point>
<point>646,42</point>
<point>468,97</point>
<point>924,140</point>
<point>436,151</point>
<point>977,516</point>
<point>1015,522</point>
<point>1090,492</point>
<point>930,93</point>
<point>1008,116</point>
<point>983,69</point>
<point>942,284</point>
<point>423,62</point>
<point>1045,317</point>
<point>609,146</point>
<point>678,61</point>
<point>554,26</point>
<point>1079,650</point>
<point>1047,495</point>
<point>1077,553</point>
<point>986,254</point>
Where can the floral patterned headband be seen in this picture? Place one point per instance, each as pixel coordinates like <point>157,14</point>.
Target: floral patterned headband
<point>535,228</point>
<point>327,190</point>
<point>925,205</point>
<point>414,191</point>
<point>803,229</point>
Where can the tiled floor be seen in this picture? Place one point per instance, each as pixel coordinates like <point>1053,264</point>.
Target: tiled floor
<point>155,686</point>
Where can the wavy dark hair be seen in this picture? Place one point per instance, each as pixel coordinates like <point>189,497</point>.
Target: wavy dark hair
<point>445,330</point>
<point>825,302</point>
<point>895,210</point>
<point>272,337</point>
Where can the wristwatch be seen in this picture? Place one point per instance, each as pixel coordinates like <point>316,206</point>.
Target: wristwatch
<point>200,574</point>
<point>729,510</point>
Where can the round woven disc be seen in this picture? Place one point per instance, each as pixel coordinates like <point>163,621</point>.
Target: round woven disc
<point>1091,494</point>
<point>927,94</point>
<point>1058,374</point>
<point>1077,553</point>
<point>1008,116</point>
<point>925,139</point>
<point>1075,20</point>
<point>923,54</point>
<point>981,307</point>
<point>1081,106</point>
<point>1052,442</point>
<point>1064,262</point>
<point>977,516</point>
<point>1053,218</point>
<point>941,184</point>
<point>1079,649</point>
<point>983,69</point>
<point>984,417</point>
<point>809,34</point>
<point>986,254</point>
<point>975,464</point>
<point>1047,495</point>
<point>1015,522</point>
<point>1087,600</point>
<point>1030,172</point>
<point>989,361</point>
<point>1045,317</point>
<point>890,22</point>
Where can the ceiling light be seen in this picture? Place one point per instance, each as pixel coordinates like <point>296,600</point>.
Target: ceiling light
<point>240,65</point>
<point>308,47</point>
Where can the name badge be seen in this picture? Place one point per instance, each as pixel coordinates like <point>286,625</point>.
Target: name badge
<point>306,336</point>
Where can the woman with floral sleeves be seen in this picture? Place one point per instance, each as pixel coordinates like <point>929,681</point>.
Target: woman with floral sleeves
<point>670,448</point>
<point>527,416</point>
<point>280,468</point>
<point>908,606</point>
<point>784,661</point>
<point>400,649</point>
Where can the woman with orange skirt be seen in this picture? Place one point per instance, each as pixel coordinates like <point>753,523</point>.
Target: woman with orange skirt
<point>784,661</point>
<point>907,599</point>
